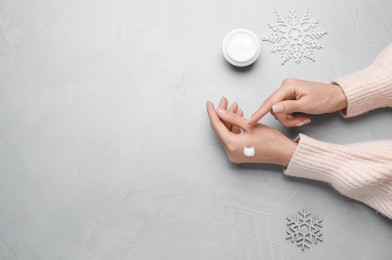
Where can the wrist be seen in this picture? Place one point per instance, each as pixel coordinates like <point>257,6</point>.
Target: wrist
<point>339,97</point>
<point>286,152</point>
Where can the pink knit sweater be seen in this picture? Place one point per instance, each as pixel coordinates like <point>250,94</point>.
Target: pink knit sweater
<point>362,171</point>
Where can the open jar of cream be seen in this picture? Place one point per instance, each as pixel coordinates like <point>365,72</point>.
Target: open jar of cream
<point>241,47</point>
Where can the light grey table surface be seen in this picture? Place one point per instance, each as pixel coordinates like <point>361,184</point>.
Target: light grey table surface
<point>105,146</point>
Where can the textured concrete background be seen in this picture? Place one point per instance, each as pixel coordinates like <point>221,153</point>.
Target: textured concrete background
<point>105,147</point>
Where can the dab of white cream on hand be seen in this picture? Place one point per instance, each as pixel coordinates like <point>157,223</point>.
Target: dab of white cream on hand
<point>249,151</point>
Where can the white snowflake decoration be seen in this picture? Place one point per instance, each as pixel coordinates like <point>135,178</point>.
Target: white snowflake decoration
<point>303,229</point>
<point>294,36</point>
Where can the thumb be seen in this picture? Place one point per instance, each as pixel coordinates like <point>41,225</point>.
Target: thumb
<point>288,106</point>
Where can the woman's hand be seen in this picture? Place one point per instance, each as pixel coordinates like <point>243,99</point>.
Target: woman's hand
<point>271,146</point>
<point>301,96</point>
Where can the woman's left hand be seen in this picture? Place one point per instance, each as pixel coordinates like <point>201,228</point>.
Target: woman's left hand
<point>271,146</point>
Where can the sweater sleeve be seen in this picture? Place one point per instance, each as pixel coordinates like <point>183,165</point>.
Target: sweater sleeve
<point>369,88</point>
<point>361,171</point>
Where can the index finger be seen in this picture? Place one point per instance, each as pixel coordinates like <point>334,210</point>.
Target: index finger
<point>277,96</point>
<point>234,119</point>
<point>216,124</point>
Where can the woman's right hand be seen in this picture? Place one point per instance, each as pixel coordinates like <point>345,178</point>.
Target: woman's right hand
<point>301,96</point>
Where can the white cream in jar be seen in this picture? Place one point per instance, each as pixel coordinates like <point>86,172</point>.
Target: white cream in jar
<point>241,47</point>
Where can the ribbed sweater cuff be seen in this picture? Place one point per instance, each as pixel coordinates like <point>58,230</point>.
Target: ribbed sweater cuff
<point>312,160</point>
<point>370,88</point>
<point>360,171</point>
<point>327,162</point>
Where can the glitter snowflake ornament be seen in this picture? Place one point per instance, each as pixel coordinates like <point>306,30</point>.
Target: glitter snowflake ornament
<point>294,36</point>
<point>303,229</point>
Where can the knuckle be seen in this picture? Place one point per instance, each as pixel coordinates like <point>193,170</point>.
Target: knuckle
<point>266,104</point>
<point>232,116</point>
<point>288,82</point>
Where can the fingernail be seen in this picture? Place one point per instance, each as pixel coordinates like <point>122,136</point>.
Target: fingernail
<point>250,119</point>
<point>307,121</point>
<point>220,110</point>
<point>277,108</point>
